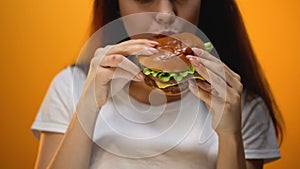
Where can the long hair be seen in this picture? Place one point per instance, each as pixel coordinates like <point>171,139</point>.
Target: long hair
<point>221,21</point>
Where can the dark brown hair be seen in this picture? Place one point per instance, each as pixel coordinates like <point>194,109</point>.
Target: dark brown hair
<point>221,21</point>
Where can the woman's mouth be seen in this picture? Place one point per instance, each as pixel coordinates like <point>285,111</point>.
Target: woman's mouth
<point>164,34</point>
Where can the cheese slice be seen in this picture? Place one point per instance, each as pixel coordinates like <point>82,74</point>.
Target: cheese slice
<point>163,85</point>
<point>198,77</point>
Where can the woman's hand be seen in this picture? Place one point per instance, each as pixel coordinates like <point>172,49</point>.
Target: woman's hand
<point>111,63</point>
<point>222,94</point>
<point>77,142</point>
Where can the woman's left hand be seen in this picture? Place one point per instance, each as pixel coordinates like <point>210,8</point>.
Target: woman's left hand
<point>222,94</point>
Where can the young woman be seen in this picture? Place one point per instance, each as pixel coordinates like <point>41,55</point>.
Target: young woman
<point>244,129</point>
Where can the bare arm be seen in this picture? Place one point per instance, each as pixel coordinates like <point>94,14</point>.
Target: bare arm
<point>231,151</point>
<point>49,142</point>
<point>255,164</point>
<point>75,149</point>
<point>69,150</point>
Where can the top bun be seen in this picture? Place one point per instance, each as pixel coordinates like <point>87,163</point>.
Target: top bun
<point>172,53</point>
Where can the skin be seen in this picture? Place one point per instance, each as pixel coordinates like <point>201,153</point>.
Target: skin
<point>55,149</point>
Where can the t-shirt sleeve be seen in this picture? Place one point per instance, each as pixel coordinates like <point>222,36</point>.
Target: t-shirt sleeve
<point>57,108</point>
<point>258,131</point>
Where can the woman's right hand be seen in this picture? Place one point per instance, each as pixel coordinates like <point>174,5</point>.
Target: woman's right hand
<point>108,63</point>
<point>103,67</point>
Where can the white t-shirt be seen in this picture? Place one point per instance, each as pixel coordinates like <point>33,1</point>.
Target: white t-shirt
<point>129,134</point>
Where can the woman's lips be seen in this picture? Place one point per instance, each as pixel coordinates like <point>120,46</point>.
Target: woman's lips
<point>153,35</point>
<point>164,34</point>
<point>167,32</point>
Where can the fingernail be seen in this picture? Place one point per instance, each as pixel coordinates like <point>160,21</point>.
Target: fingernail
<point>153,43</point>
<point>153,50</point>
<point>140,76</point>
<point>147,51</point>
<point>198,51</point>
<point>195,62</point>
<point>190,57</point>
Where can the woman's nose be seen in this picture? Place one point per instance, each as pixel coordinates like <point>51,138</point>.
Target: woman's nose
<point>165,13</point>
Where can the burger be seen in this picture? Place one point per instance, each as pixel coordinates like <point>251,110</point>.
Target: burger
<point>169,70</point>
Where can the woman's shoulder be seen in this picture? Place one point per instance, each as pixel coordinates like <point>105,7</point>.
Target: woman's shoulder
<point>250,98</point>
<point>64,73</point>
<point>254,107</point>
<point>68,74</point>
<point>258,131</point>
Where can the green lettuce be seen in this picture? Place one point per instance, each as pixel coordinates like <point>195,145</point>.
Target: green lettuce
<point>208,46</point>
<point>165,77</point>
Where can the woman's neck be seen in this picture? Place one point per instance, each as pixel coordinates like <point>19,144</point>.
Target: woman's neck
<point>145,94</point>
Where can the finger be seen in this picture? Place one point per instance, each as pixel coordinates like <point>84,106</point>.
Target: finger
<point>235,75</point>
<point>216,72</point>
<point>207,97</point>
<point>227,94</point>
<point>105,75</point>
<point>204,55</point>
<point>133,50</point>
<point>124,74</point>
<point>222,71</point>
<point>135,47</point>
<point>216,82</point>
<point>140,50</point>
<point>204,85</point>
<point>199,93</point>
<point>120,61</point>
<point>207,57</point>
<point>212,63</point>
<point>219,67</point>
<point>140,41</point>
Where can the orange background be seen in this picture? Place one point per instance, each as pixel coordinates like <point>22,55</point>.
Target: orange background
<point>39,38</point>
